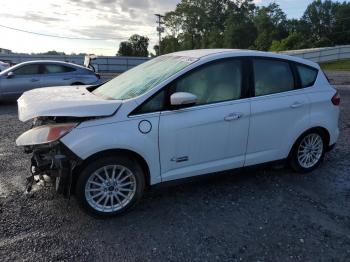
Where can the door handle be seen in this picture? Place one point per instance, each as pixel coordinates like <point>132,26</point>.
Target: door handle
<point>233,116</point>
<point>34,80</point>
<point>67,78</point>
<point>297,104</point>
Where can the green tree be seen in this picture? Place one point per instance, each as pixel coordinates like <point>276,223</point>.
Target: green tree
<point>240,24</point>
<point>271,23</point>
<point>197,23</point>
<point>192,18</point>
<point>292,42</point>
<point>213,39</point>
<point>125,49</point>
<point>240,31</point>
<point>321,19</point>
<point>169,44</point>
<point>341,32</point>
<point>137,45</point>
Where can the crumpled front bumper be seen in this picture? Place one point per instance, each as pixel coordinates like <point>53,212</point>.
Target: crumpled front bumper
<point>54,160</point>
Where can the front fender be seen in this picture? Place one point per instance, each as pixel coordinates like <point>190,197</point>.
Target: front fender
<point>125,135</point>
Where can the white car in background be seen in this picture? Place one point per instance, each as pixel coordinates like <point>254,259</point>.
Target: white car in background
<point>3,66</point>
<point>176,116</point>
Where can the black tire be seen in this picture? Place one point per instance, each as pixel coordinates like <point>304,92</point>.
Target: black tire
<point>129,163</point>
<point>295,163</point>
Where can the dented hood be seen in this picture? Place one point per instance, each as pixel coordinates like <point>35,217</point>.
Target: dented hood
<point>70,101</point>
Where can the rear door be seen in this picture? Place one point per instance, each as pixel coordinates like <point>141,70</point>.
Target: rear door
<point>57,75</point>
<point>279,110</point>
<point>24,78</point>
<point>212,135</point>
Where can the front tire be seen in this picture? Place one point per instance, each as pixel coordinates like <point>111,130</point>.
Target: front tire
<point>110,186</point>
<point>308,152</point>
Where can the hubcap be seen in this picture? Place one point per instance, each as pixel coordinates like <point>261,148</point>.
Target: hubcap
<point>310,150</point>
<point>110,188</point>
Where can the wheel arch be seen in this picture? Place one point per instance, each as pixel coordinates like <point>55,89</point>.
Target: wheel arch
<point>319,129</point>
<point>113,152</point>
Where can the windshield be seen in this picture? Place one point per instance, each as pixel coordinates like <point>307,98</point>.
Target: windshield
<point>143,78</point>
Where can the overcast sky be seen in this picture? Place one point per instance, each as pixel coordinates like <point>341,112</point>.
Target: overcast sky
<point>112,19</point>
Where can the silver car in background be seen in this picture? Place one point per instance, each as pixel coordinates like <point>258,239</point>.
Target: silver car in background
<point>22,77</point>
<point>3,66</point>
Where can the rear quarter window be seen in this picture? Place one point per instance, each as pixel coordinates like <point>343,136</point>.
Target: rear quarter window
<point>307,75</point>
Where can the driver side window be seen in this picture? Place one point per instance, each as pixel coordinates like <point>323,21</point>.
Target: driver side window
<point>216,82</point>
<point>32,69</point>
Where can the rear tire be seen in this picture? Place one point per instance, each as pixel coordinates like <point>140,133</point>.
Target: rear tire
<point>110,185</point>
<point>308,152</point>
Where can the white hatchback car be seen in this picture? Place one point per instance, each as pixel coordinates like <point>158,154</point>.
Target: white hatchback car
<point>176,116</point>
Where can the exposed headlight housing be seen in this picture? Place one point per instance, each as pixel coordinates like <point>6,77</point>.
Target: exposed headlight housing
<point>44,134</point>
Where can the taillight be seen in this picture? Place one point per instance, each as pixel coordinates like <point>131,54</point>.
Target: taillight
<point>336,99</point>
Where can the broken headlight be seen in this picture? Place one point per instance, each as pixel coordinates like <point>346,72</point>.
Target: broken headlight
<point>44,134</point>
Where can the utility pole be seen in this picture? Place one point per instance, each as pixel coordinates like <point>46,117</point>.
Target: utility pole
<point>160,30</point>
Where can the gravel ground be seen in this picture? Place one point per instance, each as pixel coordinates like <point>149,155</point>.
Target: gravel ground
<point>265,214</point>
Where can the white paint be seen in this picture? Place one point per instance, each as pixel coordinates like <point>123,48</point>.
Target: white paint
<point>182,98</point>
<point>205,137</point>
<point>74,101</point>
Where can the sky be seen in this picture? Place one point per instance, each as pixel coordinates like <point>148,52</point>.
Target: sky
<point>109,21</point>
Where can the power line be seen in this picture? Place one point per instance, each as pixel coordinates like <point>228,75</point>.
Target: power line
<point>57,36</point>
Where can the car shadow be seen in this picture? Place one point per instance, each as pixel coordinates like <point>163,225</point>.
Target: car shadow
<point>8,107</point>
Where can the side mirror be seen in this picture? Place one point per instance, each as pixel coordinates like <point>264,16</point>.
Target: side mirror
<point>10,75</point>
<point>180,99</point>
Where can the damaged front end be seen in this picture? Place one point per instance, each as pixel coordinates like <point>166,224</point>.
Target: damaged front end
<point>50,157</point>
<point>56,112</point>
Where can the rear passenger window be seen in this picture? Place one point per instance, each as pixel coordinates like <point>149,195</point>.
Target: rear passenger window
<point>272,76</point>
<point>54,69</point>
<point>307,75</point>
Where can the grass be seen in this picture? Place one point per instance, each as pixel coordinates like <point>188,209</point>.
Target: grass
<point>341,65</point>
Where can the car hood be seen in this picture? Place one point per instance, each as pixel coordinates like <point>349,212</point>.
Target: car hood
<point>68,101</point>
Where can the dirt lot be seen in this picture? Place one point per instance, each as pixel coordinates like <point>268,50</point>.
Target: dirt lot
<point>264,214</point>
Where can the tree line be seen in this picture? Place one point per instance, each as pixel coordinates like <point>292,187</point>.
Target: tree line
<point>241,24</point>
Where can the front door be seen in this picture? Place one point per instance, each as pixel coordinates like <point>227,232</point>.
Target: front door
<point>23,79</point>
<point>212,135</point>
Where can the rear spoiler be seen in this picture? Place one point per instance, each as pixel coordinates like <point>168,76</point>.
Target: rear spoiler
<point>87,62</point>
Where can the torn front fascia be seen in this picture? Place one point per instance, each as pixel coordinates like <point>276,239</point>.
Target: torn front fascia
<point>54,160</point>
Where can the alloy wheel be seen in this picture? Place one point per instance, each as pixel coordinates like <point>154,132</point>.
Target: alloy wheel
<point>110,188</point>
<point>310,150</point>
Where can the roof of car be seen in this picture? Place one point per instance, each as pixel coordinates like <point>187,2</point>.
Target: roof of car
<point>201,53</point>
<point>51,62</point>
